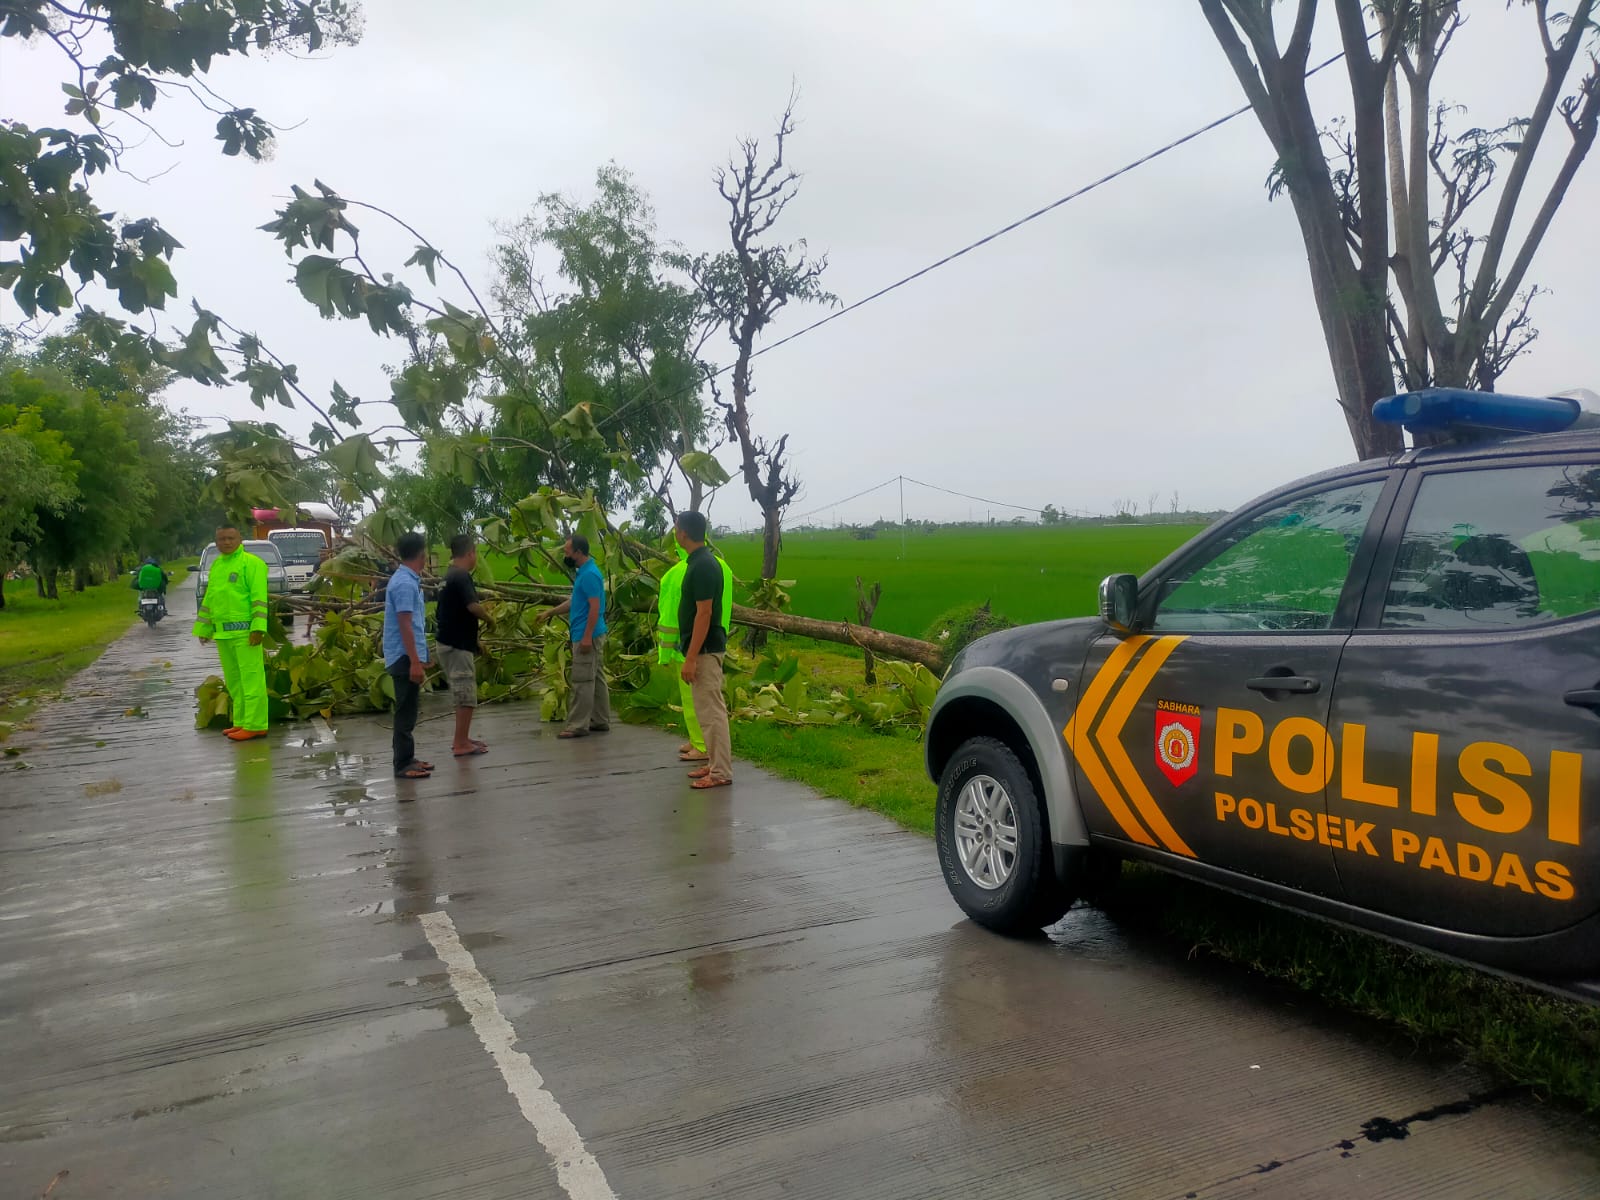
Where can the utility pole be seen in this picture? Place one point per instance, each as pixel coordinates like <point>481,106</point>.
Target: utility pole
<point>902,516</point>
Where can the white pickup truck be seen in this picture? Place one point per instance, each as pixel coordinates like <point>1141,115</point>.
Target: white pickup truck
<point>302,551</point>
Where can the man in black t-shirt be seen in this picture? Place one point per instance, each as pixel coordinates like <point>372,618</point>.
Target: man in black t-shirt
<point>704,642</point>
<point>457,615</point>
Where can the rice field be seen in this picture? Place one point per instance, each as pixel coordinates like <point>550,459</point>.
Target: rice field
<point>1032,573</point>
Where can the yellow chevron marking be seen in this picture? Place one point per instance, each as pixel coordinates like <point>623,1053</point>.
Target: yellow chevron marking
<point>1109,736</point>
<point>1077,735</point>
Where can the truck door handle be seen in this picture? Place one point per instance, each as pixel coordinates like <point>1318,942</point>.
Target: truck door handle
<point>1301,685</point>
<point>1584,698</point>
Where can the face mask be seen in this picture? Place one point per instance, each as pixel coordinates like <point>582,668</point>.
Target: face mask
<point>571,562</point>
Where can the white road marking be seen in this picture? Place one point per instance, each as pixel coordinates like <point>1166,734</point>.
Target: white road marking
<point>577,1171</point>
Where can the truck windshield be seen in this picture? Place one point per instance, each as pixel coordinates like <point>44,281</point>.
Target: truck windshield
<point>301,549</point>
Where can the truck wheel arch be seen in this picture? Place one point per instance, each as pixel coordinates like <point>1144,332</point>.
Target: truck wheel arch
<point>990,702</point>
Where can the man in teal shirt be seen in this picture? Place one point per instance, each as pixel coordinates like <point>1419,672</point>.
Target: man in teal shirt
<point>589,710</point>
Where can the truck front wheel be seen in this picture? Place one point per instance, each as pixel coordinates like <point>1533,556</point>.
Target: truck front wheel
<point>994,847</point>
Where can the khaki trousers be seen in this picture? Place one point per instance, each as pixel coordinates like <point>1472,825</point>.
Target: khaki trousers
<point>711,707</point>
<point>590,707</point>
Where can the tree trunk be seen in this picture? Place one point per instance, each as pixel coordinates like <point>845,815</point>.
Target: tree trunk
<point>866,606</point>
<point>771,541</point>
<point>885,645</point>
<point>80,578</point>
<point>49,591</point>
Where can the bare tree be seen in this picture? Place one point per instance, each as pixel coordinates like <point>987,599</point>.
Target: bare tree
<point>742,290</point>
<point>1398,159</point>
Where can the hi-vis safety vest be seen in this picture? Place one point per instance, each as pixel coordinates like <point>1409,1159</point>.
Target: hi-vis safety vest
<point>667,639</point>
<point>235,602</point>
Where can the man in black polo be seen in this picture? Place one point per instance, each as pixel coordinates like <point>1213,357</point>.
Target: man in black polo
<point>458,615</point>
<point>704,643</point>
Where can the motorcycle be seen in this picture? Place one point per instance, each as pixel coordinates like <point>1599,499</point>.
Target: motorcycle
<point>151,607</point>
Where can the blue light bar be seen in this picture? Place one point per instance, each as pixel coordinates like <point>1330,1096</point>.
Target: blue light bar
<point>1449,408</point>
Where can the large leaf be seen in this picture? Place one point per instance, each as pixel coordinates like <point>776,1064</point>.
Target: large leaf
<point>356,458</point>
<point>699,465</point>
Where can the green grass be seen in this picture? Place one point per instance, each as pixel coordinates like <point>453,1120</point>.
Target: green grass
<point>879,771</point>
<point>1027,574</point>
<point>44,642</point>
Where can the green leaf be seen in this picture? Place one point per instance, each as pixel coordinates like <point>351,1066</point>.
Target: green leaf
<point>55,294</point>
<point>699,465</point>
<point>577,423</point>
<point>427,258</point>
<point>356,458</point>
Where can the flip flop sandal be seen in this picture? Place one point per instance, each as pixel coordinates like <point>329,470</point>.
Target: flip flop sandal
<point>686,748</point>
<point>245,735</point>
<point>702,773</point>
<point>701,785</point>
<point>476,742</point>
<point>568,735</point>
<point>424,766</point>
<point>694,757</point>
<point>476,749</point>
<point>416,771</point>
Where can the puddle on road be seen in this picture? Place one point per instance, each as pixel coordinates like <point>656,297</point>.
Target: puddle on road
<point>1090,933</point>
<point>343,798</point>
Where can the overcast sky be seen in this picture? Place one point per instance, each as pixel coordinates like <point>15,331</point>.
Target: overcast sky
<point>1156,337</point>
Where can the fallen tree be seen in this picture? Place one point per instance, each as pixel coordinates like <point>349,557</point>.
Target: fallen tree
<point>884,645</point>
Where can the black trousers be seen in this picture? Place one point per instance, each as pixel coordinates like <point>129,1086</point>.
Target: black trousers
<point>407,699</point>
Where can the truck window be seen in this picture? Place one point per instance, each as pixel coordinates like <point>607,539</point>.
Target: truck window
<point>1496,548</point>
<point>301,548</point>
<point>1284,568</point>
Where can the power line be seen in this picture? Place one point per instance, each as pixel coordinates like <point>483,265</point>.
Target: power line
<point>1175,144</point>
<point>846,500</point>
<point>933,487</point>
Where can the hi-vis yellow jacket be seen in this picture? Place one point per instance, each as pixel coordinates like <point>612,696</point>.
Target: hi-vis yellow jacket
<point>668,640</point>
<point>235,600</point>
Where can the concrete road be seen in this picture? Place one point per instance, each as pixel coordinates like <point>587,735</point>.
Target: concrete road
<point>269,970</point>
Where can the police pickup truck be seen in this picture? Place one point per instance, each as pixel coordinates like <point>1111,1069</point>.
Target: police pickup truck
<point>1372,695</point>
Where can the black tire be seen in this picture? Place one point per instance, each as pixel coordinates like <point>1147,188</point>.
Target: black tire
<point>1031,897</point>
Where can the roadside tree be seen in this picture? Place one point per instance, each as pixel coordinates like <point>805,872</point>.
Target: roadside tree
<point>1403,283</point>
<point>742,290</point>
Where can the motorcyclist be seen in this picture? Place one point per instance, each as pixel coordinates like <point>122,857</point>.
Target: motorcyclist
<point>151,578</point>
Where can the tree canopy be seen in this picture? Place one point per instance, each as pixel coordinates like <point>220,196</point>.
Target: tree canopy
<point>1407,279</point>
<point>105,469</point>
<point>120,60</point>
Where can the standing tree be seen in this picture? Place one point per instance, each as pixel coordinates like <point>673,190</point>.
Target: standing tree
<point>618,334</point>
<point>742,290</point>
<point>40,476</point>
<point>1397,158</point>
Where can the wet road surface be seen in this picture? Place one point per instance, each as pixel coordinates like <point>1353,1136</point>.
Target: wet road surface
<point>220,976</point>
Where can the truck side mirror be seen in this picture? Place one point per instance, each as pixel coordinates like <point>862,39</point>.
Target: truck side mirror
<point>1119,602</point>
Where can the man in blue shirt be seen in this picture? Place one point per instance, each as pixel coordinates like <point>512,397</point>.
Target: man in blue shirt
<point>405,650</point>
<point>590,707</point>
